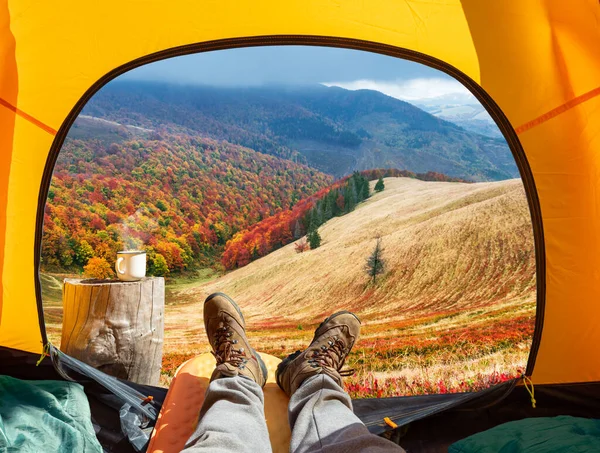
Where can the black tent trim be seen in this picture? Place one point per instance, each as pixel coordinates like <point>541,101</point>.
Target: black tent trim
<point>437,432</point>
<point>406,409</point>
<point>324,41</point>
<point>393,407</point>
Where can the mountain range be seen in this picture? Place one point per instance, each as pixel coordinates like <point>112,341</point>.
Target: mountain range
<point>334,130</point>
<point>181,169</point>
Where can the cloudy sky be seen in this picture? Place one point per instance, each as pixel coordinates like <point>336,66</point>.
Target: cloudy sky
<point>302,65</point>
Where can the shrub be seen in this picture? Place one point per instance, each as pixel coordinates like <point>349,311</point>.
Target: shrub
<point>301,246</point>
<point>157,265</point>
<point>98,268</point>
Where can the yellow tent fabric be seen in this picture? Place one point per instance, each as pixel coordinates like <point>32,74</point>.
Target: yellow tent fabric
<point>539,60</point>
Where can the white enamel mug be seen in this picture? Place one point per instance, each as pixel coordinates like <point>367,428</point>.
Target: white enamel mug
<point>131,265</point>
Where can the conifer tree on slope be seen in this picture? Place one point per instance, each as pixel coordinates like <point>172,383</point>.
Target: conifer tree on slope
<point>328,210</point>
<point>314,239</point>
<point>375,264</point>
<point>380,185</point>
<point>365,189</point>
<point>297,230</point>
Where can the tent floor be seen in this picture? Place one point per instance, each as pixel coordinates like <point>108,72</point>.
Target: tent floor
<point>432,434</point>
<point>104,405</point>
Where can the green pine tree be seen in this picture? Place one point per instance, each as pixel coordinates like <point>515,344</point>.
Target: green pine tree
<point>336,211</point>
<point>365,189</point>
<point>380,185</point>
<point>375,264</point>
<point>316,218</point>
<point>297,230</point>
<point>328,210</point>
<point>314,239</point>
<point>352,194</point>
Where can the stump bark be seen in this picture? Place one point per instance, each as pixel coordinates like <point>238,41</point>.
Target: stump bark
<point>116,327</point>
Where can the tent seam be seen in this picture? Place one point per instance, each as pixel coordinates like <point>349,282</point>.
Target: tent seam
<point>558,110</point>
<point>33,120</point>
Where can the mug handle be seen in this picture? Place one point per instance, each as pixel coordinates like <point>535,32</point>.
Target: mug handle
<point>118,266</point>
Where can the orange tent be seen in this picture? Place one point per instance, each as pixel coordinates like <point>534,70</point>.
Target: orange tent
<point>534,64</point>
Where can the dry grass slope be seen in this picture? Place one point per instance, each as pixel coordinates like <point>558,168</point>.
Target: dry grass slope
<point>446,246</point>
<point>454,309</point>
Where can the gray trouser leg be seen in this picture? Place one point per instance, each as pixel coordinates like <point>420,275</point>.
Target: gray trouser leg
<point>322,420</point>
<point>232,419</point>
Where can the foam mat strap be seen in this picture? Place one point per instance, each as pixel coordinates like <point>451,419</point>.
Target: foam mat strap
<point>388,421</point>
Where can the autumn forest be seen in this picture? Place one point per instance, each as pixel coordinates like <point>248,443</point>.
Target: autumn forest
<point>281,197</point>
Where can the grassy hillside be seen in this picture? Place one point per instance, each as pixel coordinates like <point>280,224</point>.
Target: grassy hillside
<point>453,311</point>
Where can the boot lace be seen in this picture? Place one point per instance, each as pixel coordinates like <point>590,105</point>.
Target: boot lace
<point>225,351</point>
<point>332,355</point>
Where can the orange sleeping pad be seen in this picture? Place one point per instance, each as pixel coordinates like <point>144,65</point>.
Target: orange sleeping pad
<point>179,414</point>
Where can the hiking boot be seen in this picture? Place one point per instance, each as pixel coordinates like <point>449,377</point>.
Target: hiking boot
<point>326,353</point>
<point>226,331</point>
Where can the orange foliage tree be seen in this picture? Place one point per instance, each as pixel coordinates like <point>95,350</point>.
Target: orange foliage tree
<point>98,268</point>
<point>179,197</point>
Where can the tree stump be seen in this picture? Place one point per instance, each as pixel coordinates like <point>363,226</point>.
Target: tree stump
<point>116,327</point>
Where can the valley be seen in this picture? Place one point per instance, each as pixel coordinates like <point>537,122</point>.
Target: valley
<point>220,186</point>
<point>454,310</point>
<point>181,197</point>
<point>456,304</point>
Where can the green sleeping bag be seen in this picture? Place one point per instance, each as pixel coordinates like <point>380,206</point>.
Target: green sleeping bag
<point>562,434</point>
<point>45,416</point>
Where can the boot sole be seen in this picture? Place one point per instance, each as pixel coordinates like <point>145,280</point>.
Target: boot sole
<point>260,361</point>
<point>294,355</point>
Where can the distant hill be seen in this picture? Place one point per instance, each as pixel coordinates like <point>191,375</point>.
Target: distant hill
<point>461,110</point>
<point>181,197</point>
<point>336,200</point>
<point>454,308</point>
<point>334,130</point>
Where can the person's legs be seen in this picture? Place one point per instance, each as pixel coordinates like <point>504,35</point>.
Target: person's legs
<point>322,420</point>
<point>232,418</point>
<point>320,411</point>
